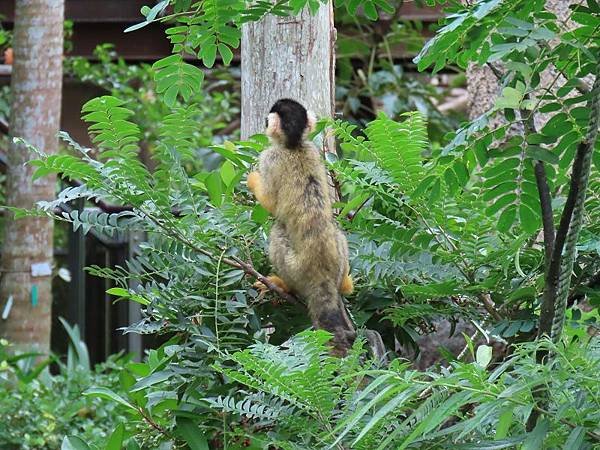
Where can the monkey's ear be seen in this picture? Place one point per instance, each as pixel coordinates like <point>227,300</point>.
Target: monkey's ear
<point>273,125</point>
<point>311,121</point>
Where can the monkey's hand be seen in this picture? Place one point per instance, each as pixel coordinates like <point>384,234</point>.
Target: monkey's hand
<point>347,286</point>
<point>254,183</point>
<point>273,279</point>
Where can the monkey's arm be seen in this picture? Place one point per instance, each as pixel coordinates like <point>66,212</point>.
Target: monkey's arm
<point>255,184</point>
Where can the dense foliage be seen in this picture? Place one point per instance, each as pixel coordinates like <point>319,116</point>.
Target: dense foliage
<point>38,409</point>
<point>453,231</point>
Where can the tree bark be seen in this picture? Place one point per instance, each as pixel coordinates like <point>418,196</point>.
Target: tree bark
<point>35,116</point>
<point>291,57</point>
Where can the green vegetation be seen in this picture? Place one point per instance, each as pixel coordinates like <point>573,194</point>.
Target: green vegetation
<point>452,229</point>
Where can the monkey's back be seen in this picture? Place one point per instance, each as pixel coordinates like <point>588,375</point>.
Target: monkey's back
<point>297,181</point>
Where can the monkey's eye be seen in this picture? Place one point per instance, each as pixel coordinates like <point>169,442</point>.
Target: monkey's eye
<point>267,122</point>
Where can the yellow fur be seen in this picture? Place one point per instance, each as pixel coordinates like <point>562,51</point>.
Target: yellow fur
<point>255,185</point>
<point>347,285</point>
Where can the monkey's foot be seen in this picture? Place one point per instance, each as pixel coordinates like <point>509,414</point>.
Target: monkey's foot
<point>347,285</point>
<point>253,181</point>
<point>273,279</point>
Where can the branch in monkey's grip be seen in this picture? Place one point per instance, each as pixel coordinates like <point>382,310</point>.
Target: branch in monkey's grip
<point>250,270</point>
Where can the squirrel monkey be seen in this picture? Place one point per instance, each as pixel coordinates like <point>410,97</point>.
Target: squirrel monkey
<point>306,247</point>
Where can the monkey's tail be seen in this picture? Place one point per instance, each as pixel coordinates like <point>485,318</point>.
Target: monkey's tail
<point>328,313</point>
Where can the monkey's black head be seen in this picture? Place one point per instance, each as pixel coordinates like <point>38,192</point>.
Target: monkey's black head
<point>290,122</point>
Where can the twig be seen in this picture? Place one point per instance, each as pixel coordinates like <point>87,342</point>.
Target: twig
<point>352,214</point>
<point>546,205</point>
<point>496,71</point>
<point>230,128</point>
<point>250,270</point>
<point>543,190</point>
<point>489,306</point>
<point>152,423</point>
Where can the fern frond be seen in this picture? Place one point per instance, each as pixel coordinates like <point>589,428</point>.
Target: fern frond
<point>398,147</point>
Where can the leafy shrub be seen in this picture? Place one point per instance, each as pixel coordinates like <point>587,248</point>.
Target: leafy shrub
<point>312,400</point>
<point>38,409</point>
<point>453,232</point>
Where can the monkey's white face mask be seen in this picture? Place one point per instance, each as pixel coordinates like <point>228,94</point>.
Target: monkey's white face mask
<point>274,130</point>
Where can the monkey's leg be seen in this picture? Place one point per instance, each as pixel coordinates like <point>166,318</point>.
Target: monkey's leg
<point>282,257</point>
<point>255,185</point>
<point>275,280</point>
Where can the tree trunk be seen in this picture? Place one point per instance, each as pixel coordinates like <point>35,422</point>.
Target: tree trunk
<point>290,57</point>
<point>35,116</point>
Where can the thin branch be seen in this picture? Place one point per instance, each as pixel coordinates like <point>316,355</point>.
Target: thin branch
<point>352,214</point>
<point>498,73</point>
<point>488,304</point>
<point>546,205</point>
<point>543,189</point>
<point>152,423</point>
<point>250,270</point>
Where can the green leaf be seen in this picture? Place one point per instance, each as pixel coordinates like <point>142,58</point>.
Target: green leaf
<point>228,172</point>
<point>73,443</point>
<point>558,125</point>
<point>170,95</point>
<point>156,9</point>
<point>370,10</point>
<point>191,434</point>
<point>166,61</point>
<point>500,203</point>
<point>354,203</point>
<point>259,214</point>
<point>208,54</point>
<point>509,443</point>
<point>226,54</point>
<point>541,154</point>
<point>398,147</point>
<point>575,439</point>
<point>102,392</point>
<point>77,344</point>
<point>504,423</point>
<point>507,218</point>
<point>510,98</point>
<point>115,442</point>
<point>520,23</point>
<point>483,355</point>
<point>155,378</point>
<point>434,418</point>
<point>214,186</point>
<point>529,219</point>
<point>535,439</point>
<point>175,77</point>
<point>137,26</point>
<point>118,292</point>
